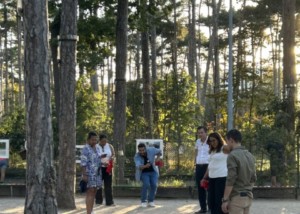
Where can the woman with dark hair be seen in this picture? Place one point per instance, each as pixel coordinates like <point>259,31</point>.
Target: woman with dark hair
<point>107,155</point>
<point>216,171</point>
<point>91,173</point>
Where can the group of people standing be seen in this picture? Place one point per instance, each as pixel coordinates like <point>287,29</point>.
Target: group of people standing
<point>229,169</point>
<point>226,165</point>
<point>96,164</point>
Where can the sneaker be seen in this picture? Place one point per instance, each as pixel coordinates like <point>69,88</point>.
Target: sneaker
<point>151,204</point>
<point>143,204</point>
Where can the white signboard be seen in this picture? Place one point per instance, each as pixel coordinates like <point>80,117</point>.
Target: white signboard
<point>78,152</point>
<point>157,143</point>
<point>4,148</point>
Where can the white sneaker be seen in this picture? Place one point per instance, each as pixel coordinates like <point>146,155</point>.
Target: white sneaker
<point>144,204</point>
<point>151,204</point>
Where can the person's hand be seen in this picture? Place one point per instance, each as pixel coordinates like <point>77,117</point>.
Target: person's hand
<point>225,207</point>
<point>202,182</point>
<point>147,165</point>
<point>85,177</point>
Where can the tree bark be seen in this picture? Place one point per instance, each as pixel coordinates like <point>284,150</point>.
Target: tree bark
<point>147,86</point>
<point>40,177</point>
<point>192,40</point>
<point>289,69</point>
<point>67,118</point>
<point>119,137</point>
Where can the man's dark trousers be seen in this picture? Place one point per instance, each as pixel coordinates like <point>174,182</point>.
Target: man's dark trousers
<point>200,171</point>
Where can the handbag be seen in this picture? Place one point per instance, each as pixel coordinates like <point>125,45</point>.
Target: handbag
<point>204,184</point>
<point>83,186</point>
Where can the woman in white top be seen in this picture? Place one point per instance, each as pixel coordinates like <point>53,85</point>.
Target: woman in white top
<point>216,171</point>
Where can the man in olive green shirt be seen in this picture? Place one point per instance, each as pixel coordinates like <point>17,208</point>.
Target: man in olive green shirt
<point>238,195</point>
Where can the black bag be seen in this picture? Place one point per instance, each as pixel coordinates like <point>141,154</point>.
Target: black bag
<point>83,186</point>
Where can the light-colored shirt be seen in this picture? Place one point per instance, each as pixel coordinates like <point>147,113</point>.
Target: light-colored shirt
<point>203,152</point>
<point>139,161</point>
<point>217,167</point>
<point>105,150</point>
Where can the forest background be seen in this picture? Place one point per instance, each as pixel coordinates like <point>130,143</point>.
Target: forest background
<point>175,78</point>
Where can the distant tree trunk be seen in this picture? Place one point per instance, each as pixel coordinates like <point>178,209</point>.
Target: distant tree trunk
<point>192,40</point>
<point>153,61</point>
<point>198,62</point>
<point>147,86</point>
<point>40,177</point>
<point>54,28</point>
<point>206,74</point>
<point>240,60</point>
<point>174,40</point>
<point>137,57</point>
<point>110,73</point>
<point>289,69</point>
<point>216,75</point>
<point>20,59</point>
<point>119,139</point>
<point>94,79</point>
<point>67,118</point>
<point>1,78</point>
<point>6,95</point>
<point>153,39</point>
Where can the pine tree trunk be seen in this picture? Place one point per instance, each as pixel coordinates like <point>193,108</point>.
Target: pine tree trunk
<point>192,40</point>
<point>120,94</point>
<point>289,69</point>
<point>40,177</point>
<point>147,86</point>
<point>67,118</point>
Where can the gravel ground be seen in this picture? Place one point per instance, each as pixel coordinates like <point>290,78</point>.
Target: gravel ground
<point>163,206</point>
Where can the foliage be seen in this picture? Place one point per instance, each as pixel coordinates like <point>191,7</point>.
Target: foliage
<point>12,127</point>
<point>91,111</point>
<point>172,183</point>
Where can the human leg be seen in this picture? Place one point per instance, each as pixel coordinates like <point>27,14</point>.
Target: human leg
<point>145,178</point>
<point>89,201</point>
<point>211,193</point>
<point>3,166</point>
<point>200,171</point>
<point>2,174</point>
<point>219,187</point>
<point>107,178</point>
<point>153,186</point>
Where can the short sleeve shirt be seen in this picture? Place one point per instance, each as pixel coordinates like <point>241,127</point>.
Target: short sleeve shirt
<point>91,160</point>
<point>203,152</point>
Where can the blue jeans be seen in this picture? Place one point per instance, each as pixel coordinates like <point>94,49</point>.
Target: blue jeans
<point>149,180</point>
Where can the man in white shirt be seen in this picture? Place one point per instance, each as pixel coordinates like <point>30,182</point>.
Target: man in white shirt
<point>201,163</point>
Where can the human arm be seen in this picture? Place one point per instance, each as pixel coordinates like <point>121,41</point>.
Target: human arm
<point>205,177</point>
<point>158,155</point>
<point>225,198</point>
<point>113,154</point>
<point>84,173</point>
<point>139,162</point>
<point>83,163</point>
<point>226,149</point>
